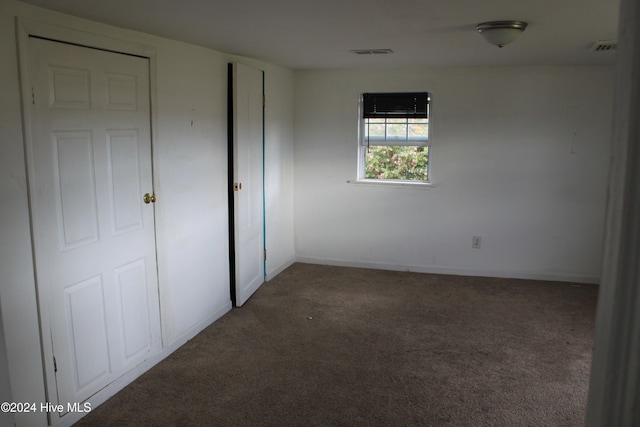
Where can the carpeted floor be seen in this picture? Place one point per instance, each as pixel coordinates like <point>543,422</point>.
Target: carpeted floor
<point>336,346</point>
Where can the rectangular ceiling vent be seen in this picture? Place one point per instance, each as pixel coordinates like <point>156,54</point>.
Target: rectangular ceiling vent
<point>371,51</point>
<point>604,46</point>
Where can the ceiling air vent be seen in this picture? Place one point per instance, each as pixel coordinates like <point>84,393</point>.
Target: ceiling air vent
<point>371,51</point>
<point>604,46</point>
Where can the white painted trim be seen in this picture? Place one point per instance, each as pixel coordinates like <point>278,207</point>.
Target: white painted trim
<point>43,316</point>
<point>422,185</point>
<point>529,275</point>
<point>120,383</point>
<point>30,27</point>
<point>614,390</point>
<point>279,269</point>
<point>198,327</point>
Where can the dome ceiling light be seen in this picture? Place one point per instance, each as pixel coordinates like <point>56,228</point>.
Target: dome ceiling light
<point>501,33</point>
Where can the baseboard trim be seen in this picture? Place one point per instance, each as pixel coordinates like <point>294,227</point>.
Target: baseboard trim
<point>280,268</point>
<point>529,275</point>
<point>198,327</point>
<point>126,379</point>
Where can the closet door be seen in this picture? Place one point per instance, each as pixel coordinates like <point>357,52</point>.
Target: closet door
<point>89,161</point>
<point>247,163</point>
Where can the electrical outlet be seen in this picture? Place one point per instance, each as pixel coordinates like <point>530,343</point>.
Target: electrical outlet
<point>475,242</point>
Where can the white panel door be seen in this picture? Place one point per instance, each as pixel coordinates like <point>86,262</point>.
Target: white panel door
<point>248,180</point>
<point>89,157</point>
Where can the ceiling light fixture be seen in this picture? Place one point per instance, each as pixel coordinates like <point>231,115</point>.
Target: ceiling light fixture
<point>371,51</point>
<point>501,33</point>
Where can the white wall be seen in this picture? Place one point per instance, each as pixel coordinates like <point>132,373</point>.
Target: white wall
<point>279,171</point>
<point>519,157</point>
<point>191,186</point>
<point>190,160</point>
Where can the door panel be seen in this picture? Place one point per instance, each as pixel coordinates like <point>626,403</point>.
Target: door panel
<point>89,159</point>
<point>124,179</point>
<point>248,165</point>
<point>130,282</point>
<point>87,329</point>
<point>69,88</point>
<point>121,92</point>
<point>74,180</point>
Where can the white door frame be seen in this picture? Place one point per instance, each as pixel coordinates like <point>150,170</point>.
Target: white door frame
<point>614,389</point>
<point>239,297</point>
<point>25,29</point>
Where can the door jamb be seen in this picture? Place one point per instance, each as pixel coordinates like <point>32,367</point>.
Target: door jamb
<point>230,182</point>
<point>230,178</point>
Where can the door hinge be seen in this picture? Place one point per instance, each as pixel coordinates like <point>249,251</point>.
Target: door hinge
<point>265,254</point>
<point>33,96</point>
<point>55,365</point>
<point>264,100</point>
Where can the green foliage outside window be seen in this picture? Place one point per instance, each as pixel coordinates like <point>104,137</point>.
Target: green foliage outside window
<point>397,162</point>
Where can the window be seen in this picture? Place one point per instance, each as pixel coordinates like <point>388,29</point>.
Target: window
<point>394,142</point>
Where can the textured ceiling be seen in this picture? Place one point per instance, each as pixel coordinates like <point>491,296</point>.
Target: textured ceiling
<point>319,34</point>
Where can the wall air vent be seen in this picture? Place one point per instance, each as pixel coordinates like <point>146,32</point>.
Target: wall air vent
<point>604,46</point>
<point>371,51</point>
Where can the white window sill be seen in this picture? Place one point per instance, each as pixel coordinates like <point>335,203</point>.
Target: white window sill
<point>392,183</point>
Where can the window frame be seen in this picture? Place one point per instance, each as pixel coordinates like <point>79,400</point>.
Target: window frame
<point>363,145</point>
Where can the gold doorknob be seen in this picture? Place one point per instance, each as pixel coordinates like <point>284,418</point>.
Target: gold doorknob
<point>149,198</point>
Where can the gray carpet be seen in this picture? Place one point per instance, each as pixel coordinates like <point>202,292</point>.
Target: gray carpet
<point>335,346</point>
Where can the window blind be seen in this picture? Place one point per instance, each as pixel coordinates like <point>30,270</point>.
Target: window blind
<point>395,105</point>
